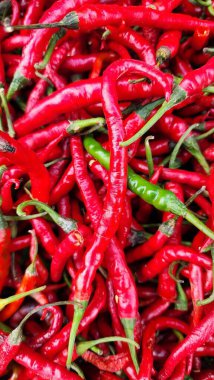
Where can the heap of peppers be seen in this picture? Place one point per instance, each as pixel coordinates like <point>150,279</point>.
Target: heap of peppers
<point>107,189</point>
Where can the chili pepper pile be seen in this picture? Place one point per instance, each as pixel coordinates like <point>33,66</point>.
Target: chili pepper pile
<point>107,189</point>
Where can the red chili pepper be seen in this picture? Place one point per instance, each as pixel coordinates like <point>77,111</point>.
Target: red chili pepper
<point>76,96</point>
<point>32,53</point>
<point>88,18</point>
<point>111,363</point>
<point>20,242</point>
<point>149,336</point>
<point>45,234</point>
<point>168,45</point>
<point>127,313</point>
<point>159,147</point>
<point>119,49</point>
<point>117,186</point>
<point>154,310</point>
<point>57,343</point>
<point>55,325</point>
<point>14,42</point>
<point>32,14</point>
<point>5,240</point>
<point>12,150</point>
<point>136,42</point>
<point>169,254</point>
<point>194,179</point>
<point>197,337</point>
<point>7,201</point>
<point>70,244</point>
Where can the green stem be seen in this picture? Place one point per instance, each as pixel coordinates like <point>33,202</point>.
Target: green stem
<point>204,3</point>
<point>181,302</point>
<point>11,131</point>
<point>177,147</point>
<point>128,325</point>
<point>43,77</point>
<point>205,134</point>
<point>78,315</point>
<point>195,195</point>
<point>209,89</point>
<point>208,50</point>
<point>149,157</point>
<point>70,21</point>
<point>4,328</point>
<point>1,125</point>
<point>192,146</point>
<point>78,125</point>
<point>50,163</point>
<point>211,10</point>
<point>177,97</point>
<point>12,218</point>
<point>6,301</point>
<point>54,39</point>
<point>66,224</point>
<point>82,347</point>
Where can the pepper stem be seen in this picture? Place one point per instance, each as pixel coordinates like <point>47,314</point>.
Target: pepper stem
<point>70,21</point>
<point>149,157</point>
<point>66,224</point>
<point>79,311</point>
<point>177,97</point>
<point>6,301</point>
<point>190,217</point>
<point>76,126</point>
<point>205,135</point>
<point>192,146</point>
<point>82,347</point>
<point>128,325</point>
<point>11,131</point>
<point>17,83</point>
<point>54,39</point>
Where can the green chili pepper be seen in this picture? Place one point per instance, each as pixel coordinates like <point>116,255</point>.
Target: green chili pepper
<point>161,199</point>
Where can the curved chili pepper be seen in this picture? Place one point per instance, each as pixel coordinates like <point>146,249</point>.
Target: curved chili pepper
<point>172,253</point>
<point>154,310</point>
<point>7,201</point>
<point>76,96</point>
<point>192,84</point>
<point>60,340</point>
<point>197,337</point>
<point>20,242</point>
<point>149,336</point>
<point>5,240</point>
<point>55,326</point>
<point>12,150</point>
<point>32,53</point>
<point>136,42</point>
<point>194,179</point>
